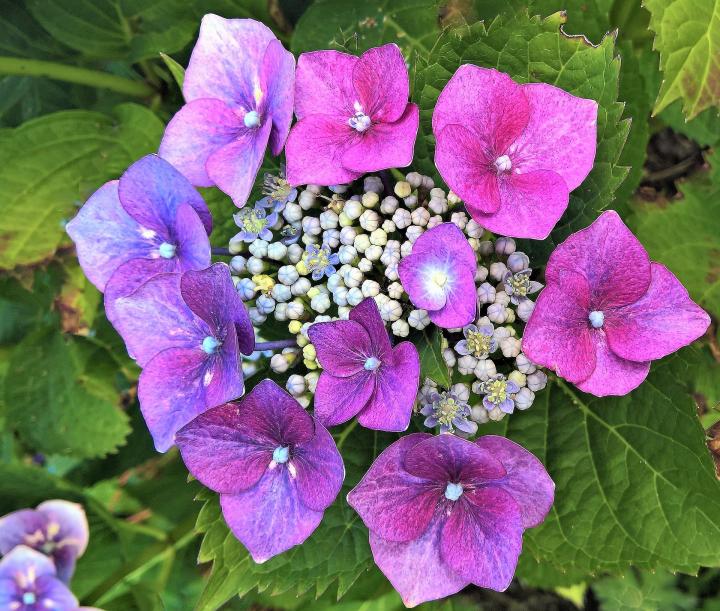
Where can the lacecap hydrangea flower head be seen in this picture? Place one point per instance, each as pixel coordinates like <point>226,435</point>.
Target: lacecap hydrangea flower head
<point>400,304</point>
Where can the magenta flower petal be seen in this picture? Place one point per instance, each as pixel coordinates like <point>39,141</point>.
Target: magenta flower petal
<point>561,134</point>
<point>488,102</point>
<point>269,518</point>
<point>383,65</point>
<point>522,196</point>
<point>367,314</point>
<point>338,399</point>
<point>461,305</point>
<point>557,336</point>
<point>609,256</point>
<point>527,481</point>
<point>319,470</point>
<point>415,568</point>
<point>662,321</point>
<point>612,375</point>
<point>457,155</point>
<point>211,295</point>
<point>446,458</point>
<point>394,504</point>
<point>315,149</point>
<point>234,166</point>
<point>482,538</point>
<point>226,60</point>
<point>386,145</point>
<point>390,406</point>
<point>223,377</point>
<point>324,84</point>
<point>342,346</point>
<point>197,130</point>
<point>278,74</point>
<point>151,190</point>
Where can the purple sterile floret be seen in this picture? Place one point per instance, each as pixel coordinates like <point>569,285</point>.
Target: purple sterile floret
<point>56,528</point>
<point>479,342</point>
<point>239,92</point>
<point>28,582</point>
<point>444,512</point>
<point>439,276</point>
<point>353,116</point>
<point>152,214</point>
<point>320,261</point>
<point>276,468</point>
<point>448,411</point>
<point>607,311</point>
<point>363,375</point>
<point>499,392</point>
<point>518,285</point>
<point>255,223</point>
<point>187,332</point>
<point>512,152</point>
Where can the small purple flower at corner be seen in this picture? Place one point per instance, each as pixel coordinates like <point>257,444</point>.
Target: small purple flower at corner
<point>518,285</point>
<point>448,411</point>
<point>607,311</point>
<point>28,582</point>
<point>187,333</point>
<point>498,392</point>
<point>479,342</point>
<point>363,375</point>
<point>353,116</point>
<point>320,261</point>
<point>56,528</point>
<point>439,276</point>
<point>277,191</point>
<point>150,221</point>
<point>255,223</point>
<point>239,92</point>
<point>512,152</point>
<point>444,512</point>
<point>275,467</point>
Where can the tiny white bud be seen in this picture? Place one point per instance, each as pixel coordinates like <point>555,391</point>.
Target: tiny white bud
<point>362,242</point>
<point>537,380</point>
<point>524,398</point>
<point>402,218</point>
<point>281,292</point>
<point>413,232</point>
<point>466,364</point>
<point>352,209</point>
<point>395,290</point>
<point>481,273</point>
<point>238,264</point>
<point>354,296</point>
<point>373,184</point>
<point>510,347</point>
<point>485,369</point>
<point>420,217</point>
<point>518,377</point>
<point>370,199</point>
<point>281,311</point>
<point>258,248</point>
<point>293,212</point>
<point>473,230</point>
<point>502,297</point>
<point>518,261</point>
<point>378,237</point>
<point>496,313</point>
<point>434,221</point>
<point>246,289</point>
<point>277,251</point>
<point>352,277</point>
<point>402,189</point>
<point>328,219</point>
<point>400,328</point>
<point>388,205</point>
<point>295,253</point>
<point>524,364</point>
<point>340,296</point>
<point>311,225</point>
<point>486,248</point>
<point>296,385</point>
<point>347,253</point>
<point>278,363</point>
<point>414,179</point>
<point>449,357</point>
<point>496,414</point>
<point>486,293</point>
<point>406,248</point>
<point>411,201</point>
<point>438,205</point>
<point>418,319</point>
<point>504,246</point>
<point>306,200</point>
<point>347,235</point>
<point>369,220</point>
<point>257,318</point>
<point>525,309</point>
<point>497,271</point>
<point>370,288</point>
<point>320,303</point>
<point>365,265</point>
<point>374,253</point>
<point>479,414</point>
<point>391,272</point>
<point>388,226</point>
<point>301,287</point>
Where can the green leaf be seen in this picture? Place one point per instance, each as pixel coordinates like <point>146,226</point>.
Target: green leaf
<point>687,35</point>
<point>684,235</point>
<point>642,591</point>
<point>61,398</point>
<point>432,363</point>
<point>134,29</point>
<point>531,49</point>
<point>338,552</point>
<point>177,71</point>
<point>51,164</point>
<point>635,484</point>
<point>357,26</point>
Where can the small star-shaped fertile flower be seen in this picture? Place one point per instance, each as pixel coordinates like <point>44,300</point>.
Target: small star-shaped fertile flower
<point>57,528</point>
<point>512,152</point>
<point>444,512</point>
<point>28,582</point>
<point>363,375</point>
<point>276,468</point>
<point>239,92</point>
<point>439,276</point>
<point>607,311</point>
<point>152,217</point>
<point>186,332</point>
<point>353,116</point>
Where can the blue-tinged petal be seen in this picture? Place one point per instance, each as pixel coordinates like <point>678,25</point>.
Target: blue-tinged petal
<point>23,527</point>
<point>23,564</point>
<point>278,77</point>
<point>67,525</point>
<point>51,593</point>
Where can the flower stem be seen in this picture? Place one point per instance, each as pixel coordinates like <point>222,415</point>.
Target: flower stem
<point>276,345</point>
<point>73,74</point>
<point>222,252</point>
<point>345,432</point>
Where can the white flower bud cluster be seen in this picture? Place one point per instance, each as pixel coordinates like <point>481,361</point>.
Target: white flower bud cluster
<point>333,247</point>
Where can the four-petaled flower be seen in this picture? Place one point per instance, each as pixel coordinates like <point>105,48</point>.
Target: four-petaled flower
<point>353,116</point>
<point>320,261</point>
<point>362,373</point>
<point>439,276</point>
<point>498,391</point>
<point>276,468</point>
<point>28,582</point>
<point>512,152</point>
<point>607,311</point>
<point>150,221</point>
<point>448,411</point>
<point>479,342</point>
<point>444,512</point>
<point>57,528</point>
<point>255,223</point>
<point>186,332</point>
<point>239,92</point>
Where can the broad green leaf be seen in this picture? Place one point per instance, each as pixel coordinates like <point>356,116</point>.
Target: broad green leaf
<point>643,591</point>
<point>635,484</point>
<point>531,49</point>
<point>22,36</point>
<point>356,26</point>
<point>683,234</point>
<point>60,396</point>
<point>338,552</point>
<point>177,71</point>
<point>50,165</point>
<point>687,35</point>
<point>134,29</point>
<point>432,363</point>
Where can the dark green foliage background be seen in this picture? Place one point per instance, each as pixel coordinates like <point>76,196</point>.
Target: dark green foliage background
<point>637,496</point>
